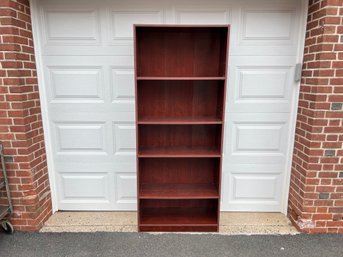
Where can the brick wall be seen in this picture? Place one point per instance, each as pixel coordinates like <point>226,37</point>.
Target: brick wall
<point>316,192</point>
<point>20,118</point>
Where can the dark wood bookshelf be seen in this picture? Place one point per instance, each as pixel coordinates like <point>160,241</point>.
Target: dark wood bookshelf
<point>194,212</point>
<point>178,217</point>
<point>159,152</point>
<point>180,76</point>
<point>180,121</point>
<point>178,191</point>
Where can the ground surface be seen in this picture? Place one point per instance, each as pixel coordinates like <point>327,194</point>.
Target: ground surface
<point>165,245</point>
<point>230,222</point>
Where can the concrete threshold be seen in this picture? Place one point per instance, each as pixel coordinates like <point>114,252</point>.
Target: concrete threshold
<point>231,223</point>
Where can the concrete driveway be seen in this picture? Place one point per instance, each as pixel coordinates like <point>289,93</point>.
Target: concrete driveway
<point>164,245</point>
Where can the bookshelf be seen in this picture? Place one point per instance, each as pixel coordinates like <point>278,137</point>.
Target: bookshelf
<point>180,76</point>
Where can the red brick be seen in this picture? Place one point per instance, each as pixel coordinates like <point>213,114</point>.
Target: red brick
<point>337,64</point>
<point>334,2</point>
<point>322,216</point>
<point>325,189</point>
<point>9,47</point>
<point>329,39</point>
<point>332,145</point>
<point>314,7</point>
<point>319,64</point>
<point>328,175</point>
<point>336,209</point>
<point>333,129</point>
<point>11,65</point>
<point>324,73</point>
<point>20,122</point>
<point>334,115</point>
<point>326,56</point>
<point>338,47</point>
<point>319,14</point>
<point>319,127</point>
<point>332,20</point>
<point>337,81</point>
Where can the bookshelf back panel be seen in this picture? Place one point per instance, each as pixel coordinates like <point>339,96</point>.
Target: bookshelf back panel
<point>179,170</point>
<point>179,136</point>
<point>181,51</point>
<point>207,204</point>
<point>180,99</point>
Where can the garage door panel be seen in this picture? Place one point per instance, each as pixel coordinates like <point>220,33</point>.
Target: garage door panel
<point>262,28</point>
<point>265,187</point>
<point>252,187</point>
<point>78,186</point>
<point>88,66</point>
<point>265,28</point>
<point>202,16</point>
<point>108,191</point>
<point>65,84</point>
<point>113,141</point>
<point>126,192</point>
<point>89,184</point>
<point>254,161</point>
<point>261,84</point>
<point>122,22</point>
<point>67,27</point>
<point>256,138</point>
<point>82,190</point>
<point>124,139</point>
<point>108,85</point>
<point>249,192</point>
<point>81,138</point>
<point>122,84</point>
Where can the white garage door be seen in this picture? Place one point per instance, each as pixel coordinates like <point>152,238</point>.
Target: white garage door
<point>86,53</point>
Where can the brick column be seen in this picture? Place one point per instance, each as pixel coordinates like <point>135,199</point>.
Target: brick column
<point>20,118</point>
<point>316,192</point>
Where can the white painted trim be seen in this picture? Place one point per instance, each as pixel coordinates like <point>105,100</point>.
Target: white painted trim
<point>294,111</point>
<point>43,101</point>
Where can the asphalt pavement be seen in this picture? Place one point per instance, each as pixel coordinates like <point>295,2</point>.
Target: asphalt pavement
<point>164,245</point>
